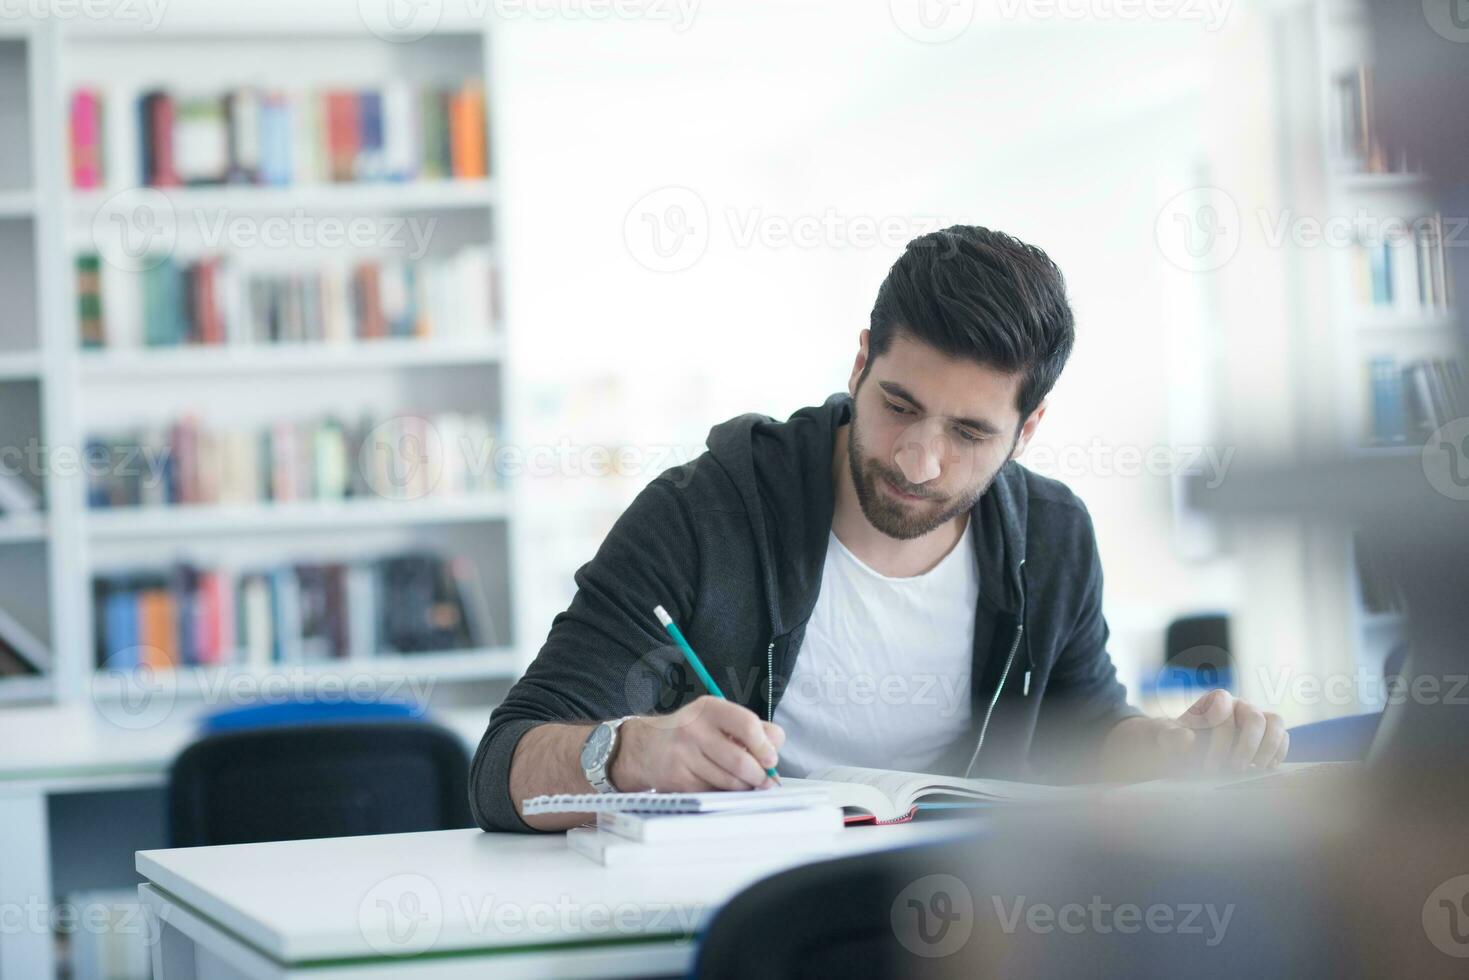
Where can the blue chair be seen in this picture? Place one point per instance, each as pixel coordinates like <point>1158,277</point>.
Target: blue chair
<point>307,711</point>
<point>323,780</point>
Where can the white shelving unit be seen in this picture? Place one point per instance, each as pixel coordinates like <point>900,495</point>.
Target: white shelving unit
<point>1362,332</point>
<point>29,562</point>
<point>73,393</point>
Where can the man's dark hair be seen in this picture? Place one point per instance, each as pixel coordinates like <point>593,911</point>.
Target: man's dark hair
<point>984,295</point>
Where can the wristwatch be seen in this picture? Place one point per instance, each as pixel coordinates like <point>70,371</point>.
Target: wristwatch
<point>596,755</point>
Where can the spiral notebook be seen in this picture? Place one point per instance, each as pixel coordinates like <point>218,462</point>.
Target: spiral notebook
<point>748,801</point>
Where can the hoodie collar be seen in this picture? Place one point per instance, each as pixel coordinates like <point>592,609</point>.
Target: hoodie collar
<point>782,472</point>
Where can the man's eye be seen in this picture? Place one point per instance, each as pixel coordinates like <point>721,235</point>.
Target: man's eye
<point>896,409</point>
<point>968,436</point>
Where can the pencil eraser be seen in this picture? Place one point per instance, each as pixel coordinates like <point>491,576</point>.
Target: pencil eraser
<point>662,615</point>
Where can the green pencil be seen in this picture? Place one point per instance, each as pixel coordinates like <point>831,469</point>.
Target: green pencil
<point>696,663</point>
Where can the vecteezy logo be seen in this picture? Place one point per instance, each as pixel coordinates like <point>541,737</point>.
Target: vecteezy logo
<point>402,915</point>
<point>1446,459</point>
<point>659,682</point>
<point>933,916</point>
<point>132,691</point>
<point>135,230</point>
<point>932,21</point>
<point>667,230</point>
<point>1446,917</point>
<point>400,21</point>
<point>1198,230</point>
<point>1448,18</point>
<point>402,458</point>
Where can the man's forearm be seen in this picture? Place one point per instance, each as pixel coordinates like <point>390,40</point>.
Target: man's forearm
<point>548,760</point>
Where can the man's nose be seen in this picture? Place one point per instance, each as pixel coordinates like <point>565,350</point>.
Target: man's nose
<point>920,450</point>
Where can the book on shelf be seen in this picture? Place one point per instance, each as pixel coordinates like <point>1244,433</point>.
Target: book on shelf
<point>91,327</point>
<point>217,301</point>
<point>187,463</point>
<point>1409,401</point>
<point>297,614</point>
<point>260,136</point>
<point>1407,272</point>
<point>86,139</point>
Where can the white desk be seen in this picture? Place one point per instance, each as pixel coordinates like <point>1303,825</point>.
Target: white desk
<point>459,903</point>
<point>46,751</point>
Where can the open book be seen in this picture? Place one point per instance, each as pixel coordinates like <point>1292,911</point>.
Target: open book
<point>893,797</point>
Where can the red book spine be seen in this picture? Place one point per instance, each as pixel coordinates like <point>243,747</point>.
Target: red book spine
<point>164,173</point>
<point>206,620</point>
<point>344,134</point>
<point>206,311</point>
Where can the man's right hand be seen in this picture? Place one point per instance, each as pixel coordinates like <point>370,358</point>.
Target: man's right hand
<point>708,744</point>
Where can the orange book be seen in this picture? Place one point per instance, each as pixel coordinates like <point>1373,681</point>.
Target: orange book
<point>343,134</point>
<point>467,131</point>
<point>158,633</point>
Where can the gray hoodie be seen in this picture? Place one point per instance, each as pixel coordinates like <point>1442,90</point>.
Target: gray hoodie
<point>733,543</point>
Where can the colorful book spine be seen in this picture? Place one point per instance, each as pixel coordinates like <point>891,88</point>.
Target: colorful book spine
<point>467,132</point>
<point>86,139</point>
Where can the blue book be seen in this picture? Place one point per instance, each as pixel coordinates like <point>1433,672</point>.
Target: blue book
<point>120,630</point>
<point>1388,416</point>
<point>370,159</point>
<point>1381,275</point>
<point>275,141</point>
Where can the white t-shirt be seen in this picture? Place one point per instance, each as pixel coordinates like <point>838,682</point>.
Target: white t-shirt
<point>882,678</point>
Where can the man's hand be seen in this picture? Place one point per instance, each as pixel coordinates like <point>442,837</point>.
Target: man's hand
<point>707,744</point>
<point>1219,732</point>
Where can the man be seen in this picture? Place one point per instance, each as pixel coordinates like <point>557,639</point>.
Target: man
<point>875,582</point>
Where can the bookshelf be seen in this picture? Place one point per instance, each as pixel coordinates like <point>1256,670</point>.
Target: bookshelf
<point>60,392</point>
<point>1396,317</point>
<point>29,397</point>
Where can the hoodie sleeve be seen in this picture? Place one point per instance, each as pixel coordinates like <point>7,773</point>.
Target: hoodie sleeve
<point>601,651</point>
<point>1083,698</point>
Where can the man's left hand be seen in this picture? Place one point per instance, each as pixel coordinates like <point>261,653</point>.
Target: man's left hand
<point>1219,732</point>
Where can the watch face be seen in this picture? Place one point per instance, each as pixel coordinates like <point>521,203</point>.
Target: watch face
<point>596,746</point>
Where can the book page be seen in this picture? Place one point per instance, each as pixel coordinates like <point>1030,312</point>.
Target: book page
<point>852,795</point>
<point>908,788</point>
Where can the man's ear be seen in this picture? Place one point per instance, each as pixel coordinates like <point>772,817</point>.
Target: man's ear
<point>860,364</point>
<point>1028,429</point>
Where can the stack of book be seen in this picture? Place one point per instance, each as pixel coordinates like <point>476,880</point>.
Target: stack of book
<point>1410,401</point>
<point>403,604</point>
<point>1408,271</point>
<point>406,457</point>
<point>797,820</point>
<point>219,301</point>
<point>247,135</point>
<point>693,828</point>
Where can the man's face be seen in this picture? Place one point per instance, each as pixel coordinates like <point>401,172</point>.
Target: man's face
<point>928,434</point>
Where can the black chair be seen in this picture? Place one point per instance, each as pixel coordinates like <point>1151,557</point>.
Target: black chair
<point>321,780</point>
<point>832,919</point>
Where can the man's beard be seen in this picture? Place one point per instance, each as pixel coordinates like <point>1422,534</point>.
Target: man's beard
<point>891,516</point>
